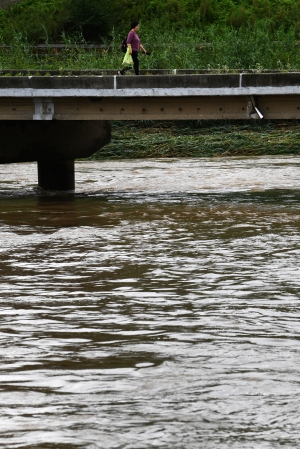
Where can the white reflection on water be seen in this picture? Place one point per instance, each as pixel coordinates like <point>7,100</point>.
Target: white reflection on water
<point>165,175</point>
<point>191,175</point>
<point>156,307</point>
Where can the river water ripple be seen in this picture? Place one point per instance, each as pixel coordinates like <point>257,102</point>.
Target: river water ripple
<point>157,307</point>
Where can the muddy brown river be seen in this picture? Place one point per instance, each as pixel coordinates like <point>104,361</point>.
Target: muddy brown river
<point>158,306</point>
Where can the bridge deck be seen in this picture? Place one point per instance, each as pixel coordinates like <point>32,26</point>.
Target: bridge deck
<point>193,96</point>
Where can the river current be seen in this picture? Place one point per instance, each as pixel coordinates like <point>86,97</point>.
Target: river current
<point>158,306</point>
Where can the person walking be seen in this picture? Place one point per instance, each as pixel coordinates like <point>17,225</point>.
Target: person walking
<point>133,42</point>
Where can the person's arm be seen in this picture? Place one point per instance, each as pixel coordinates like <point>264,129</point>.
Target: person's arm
<point>143,49</point>
<point>129,40</point>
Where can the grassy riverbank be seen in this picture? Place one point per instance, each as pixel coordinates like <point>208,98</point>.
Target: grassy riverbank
<point>201,139</point>
<point>257,48</point>
<point>219,35</point>
<point>42,21</point>
<point>208,34</point>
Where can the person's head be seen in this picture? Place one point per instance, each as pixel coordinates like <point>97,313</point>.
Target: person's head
<point>134,25</point>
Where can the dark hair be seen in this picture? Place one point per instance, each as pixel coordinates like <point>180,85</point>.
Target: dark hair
<point>134,24</point>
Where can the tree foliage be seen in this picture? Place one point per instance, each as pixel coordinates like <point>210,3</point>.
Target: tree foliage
<point>49,20</point>
<point>92,18</point>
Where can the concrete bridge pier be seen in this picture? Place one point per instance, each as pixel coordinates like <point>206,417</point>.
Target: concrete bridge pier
<point>56,175</point>
<point>54,144</point>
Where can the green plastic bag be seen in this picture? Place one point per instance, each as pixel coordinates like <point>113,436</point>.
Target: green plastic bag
<point>128,61</point>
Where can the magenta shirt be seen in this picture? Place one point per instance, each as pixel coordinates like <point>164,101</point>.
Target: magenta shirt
<point>134,40</point>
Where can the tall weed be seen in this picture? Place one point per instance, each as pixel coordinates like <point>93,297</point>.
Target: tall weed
<point>222,49</point>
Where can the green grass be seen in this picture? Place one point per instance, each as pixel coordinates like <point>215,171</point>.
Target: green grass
<point>221,35</point>
<point>46,20</point>
<point>256,48</point>
<point>200,139</point>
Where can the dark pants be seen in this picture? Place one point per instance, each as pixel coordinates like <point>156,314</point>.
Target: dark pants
<point>136,64</point>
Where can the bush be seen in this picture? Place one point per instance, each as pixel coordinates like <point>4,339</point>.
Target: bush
<point>39,21</point>
<point>92,18</point>
<point>46,20</point>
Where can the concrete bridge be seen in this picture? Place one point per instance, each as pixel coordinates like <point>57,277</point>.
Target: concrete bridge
<point>56,119</point>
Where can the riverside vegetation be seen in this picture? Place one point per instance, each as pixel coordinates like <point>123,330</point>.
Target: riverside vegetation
<point>218,35</point>
<point>201,139</point>
<point>202,34</point>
